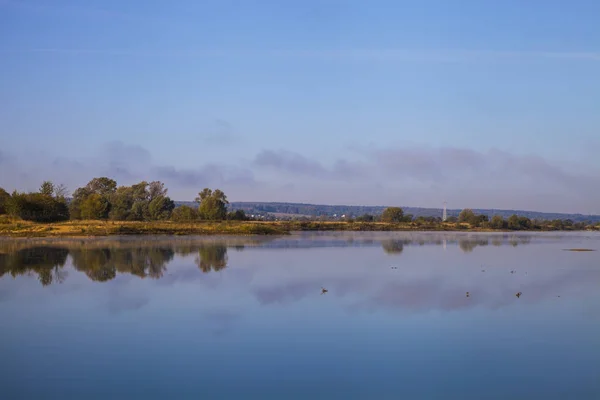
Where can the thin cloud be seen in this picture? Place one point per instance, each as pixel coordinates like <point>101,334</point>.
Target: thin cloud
<point>289,161</point>
<point>350,55</point>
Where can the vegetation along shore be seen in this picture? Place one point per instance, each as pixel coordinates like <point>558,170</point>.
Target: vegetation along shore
<point>102,208</point>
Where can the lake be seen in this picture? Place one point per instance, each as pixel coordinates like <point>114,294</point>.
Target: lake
<point>240,318</point>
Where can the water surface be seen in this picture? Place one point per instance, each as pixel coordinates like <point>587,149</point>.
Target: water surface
<point>230,317</point>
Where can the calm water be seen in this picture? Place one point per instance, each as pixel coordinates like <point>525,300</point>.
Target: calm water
<point>240,318</point>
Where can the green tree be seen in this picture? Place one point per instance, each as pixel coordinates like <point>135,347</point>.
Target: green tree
<point>160,207</point>
<point>513,222</point>
<point>237,215</point>
<point>121,203</point>
<point>103,186</point>
<point>524,223</point>
<point>37,207</point>
<point>95,206</point>
<point>47,188</point>
<point>392,214</point>
<point>4,200</point>
<point>466,215</point>
<point>365,218</point>
<point>213,205</point>
<point>79,197</point>
<point>184,214</point>
<point>139,211</point>
<point>497,222</point>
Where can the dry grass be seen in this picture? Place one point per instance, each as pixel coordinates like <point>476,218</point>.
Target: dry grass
<point>18,228</point>
<point>107,228</point>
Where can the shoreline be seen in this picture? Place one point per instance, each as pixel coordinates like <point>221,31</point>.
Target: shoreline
<point>112,228</point>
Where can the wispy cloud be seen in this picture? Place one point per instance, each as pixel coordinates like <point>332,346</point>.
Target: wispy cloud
<point>289,161</point>
<point>346,55</point>
<point>419,176</point>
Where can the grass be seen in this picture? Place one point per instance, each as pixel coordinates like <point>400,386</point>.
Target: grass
<point>19,228</point>
<point>108,228</point>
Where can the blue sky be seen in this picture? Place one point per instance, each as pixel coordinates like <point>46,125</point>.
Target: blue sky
<point>479,103</point>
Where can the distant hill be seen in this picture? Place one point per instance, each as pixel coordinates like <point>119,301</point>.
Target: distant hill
<point>283,210</point>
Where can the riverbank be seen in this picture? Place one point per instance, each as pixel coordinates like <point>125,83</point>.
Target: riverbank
<point>109,228</point>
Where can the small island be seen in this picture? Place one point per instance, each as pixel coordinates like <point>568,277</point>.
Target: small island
<point>102,208</point>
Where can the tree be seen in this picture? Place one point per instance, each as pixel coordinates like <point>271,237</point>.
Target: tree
<point>160,207</point>
<point>466,215</point>
<point>184,214</point>
<point>4,200</point>
<point>61,191</point>
<point>365,218</point>
<point>121,203</point>
<point>37,207</point>
<point>95,206</point>
<point>103,186</point>
<point>497,222</point>
<point>213,205</point>
<point>524,223</point>
<point>513,222</point>
<point>47,188</point>
<point>392,214</point>
<point>139,211</point>
<point>237,215</point>
<point>156,189</point>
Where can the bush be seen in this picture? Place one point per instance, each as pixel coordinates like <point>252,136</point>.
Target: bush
<point>38,207</point>
<point>184,214</point>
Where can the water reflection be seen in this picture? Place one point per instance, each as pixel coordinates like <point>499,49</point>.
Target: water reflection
<point>45,262</point>
<point>211,257</point>
<point>103,259</point>
<point>170,326</point>
<point>103,264</point>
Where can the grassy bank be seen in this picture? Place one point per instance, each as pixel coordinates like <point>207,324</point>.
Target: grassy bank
<point>14,228</point>
<point>108,228</point>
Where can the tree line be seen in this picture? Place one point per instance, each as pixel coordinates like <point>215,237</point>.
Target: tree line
<point>469,219</point>
<point>102,199</point>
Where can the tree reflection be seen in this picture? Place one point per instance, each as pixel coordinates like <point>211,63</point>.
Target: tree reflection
<point>212,257</point>
<point>46,262</point>
<point>467,245</point>
<point>393,246</point>
<point>97,264</point>
<point>102,264</point>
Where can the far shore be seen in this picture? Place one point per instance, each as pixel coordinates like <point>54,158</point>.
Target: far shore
<point>110,228</point>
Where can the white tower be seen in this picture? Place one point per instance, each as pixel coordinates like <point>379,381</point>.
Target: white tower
<point>444,213</point>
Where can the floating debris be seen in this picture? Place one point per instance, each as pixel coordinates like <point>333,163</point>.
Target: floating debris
<point>579,250</point>
<point>518,295</point>
<point>513,271</point>
<point>323,290</point>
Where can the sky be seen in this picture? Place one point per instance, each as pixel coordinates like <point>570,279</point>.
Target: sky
<point>481,104</point>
